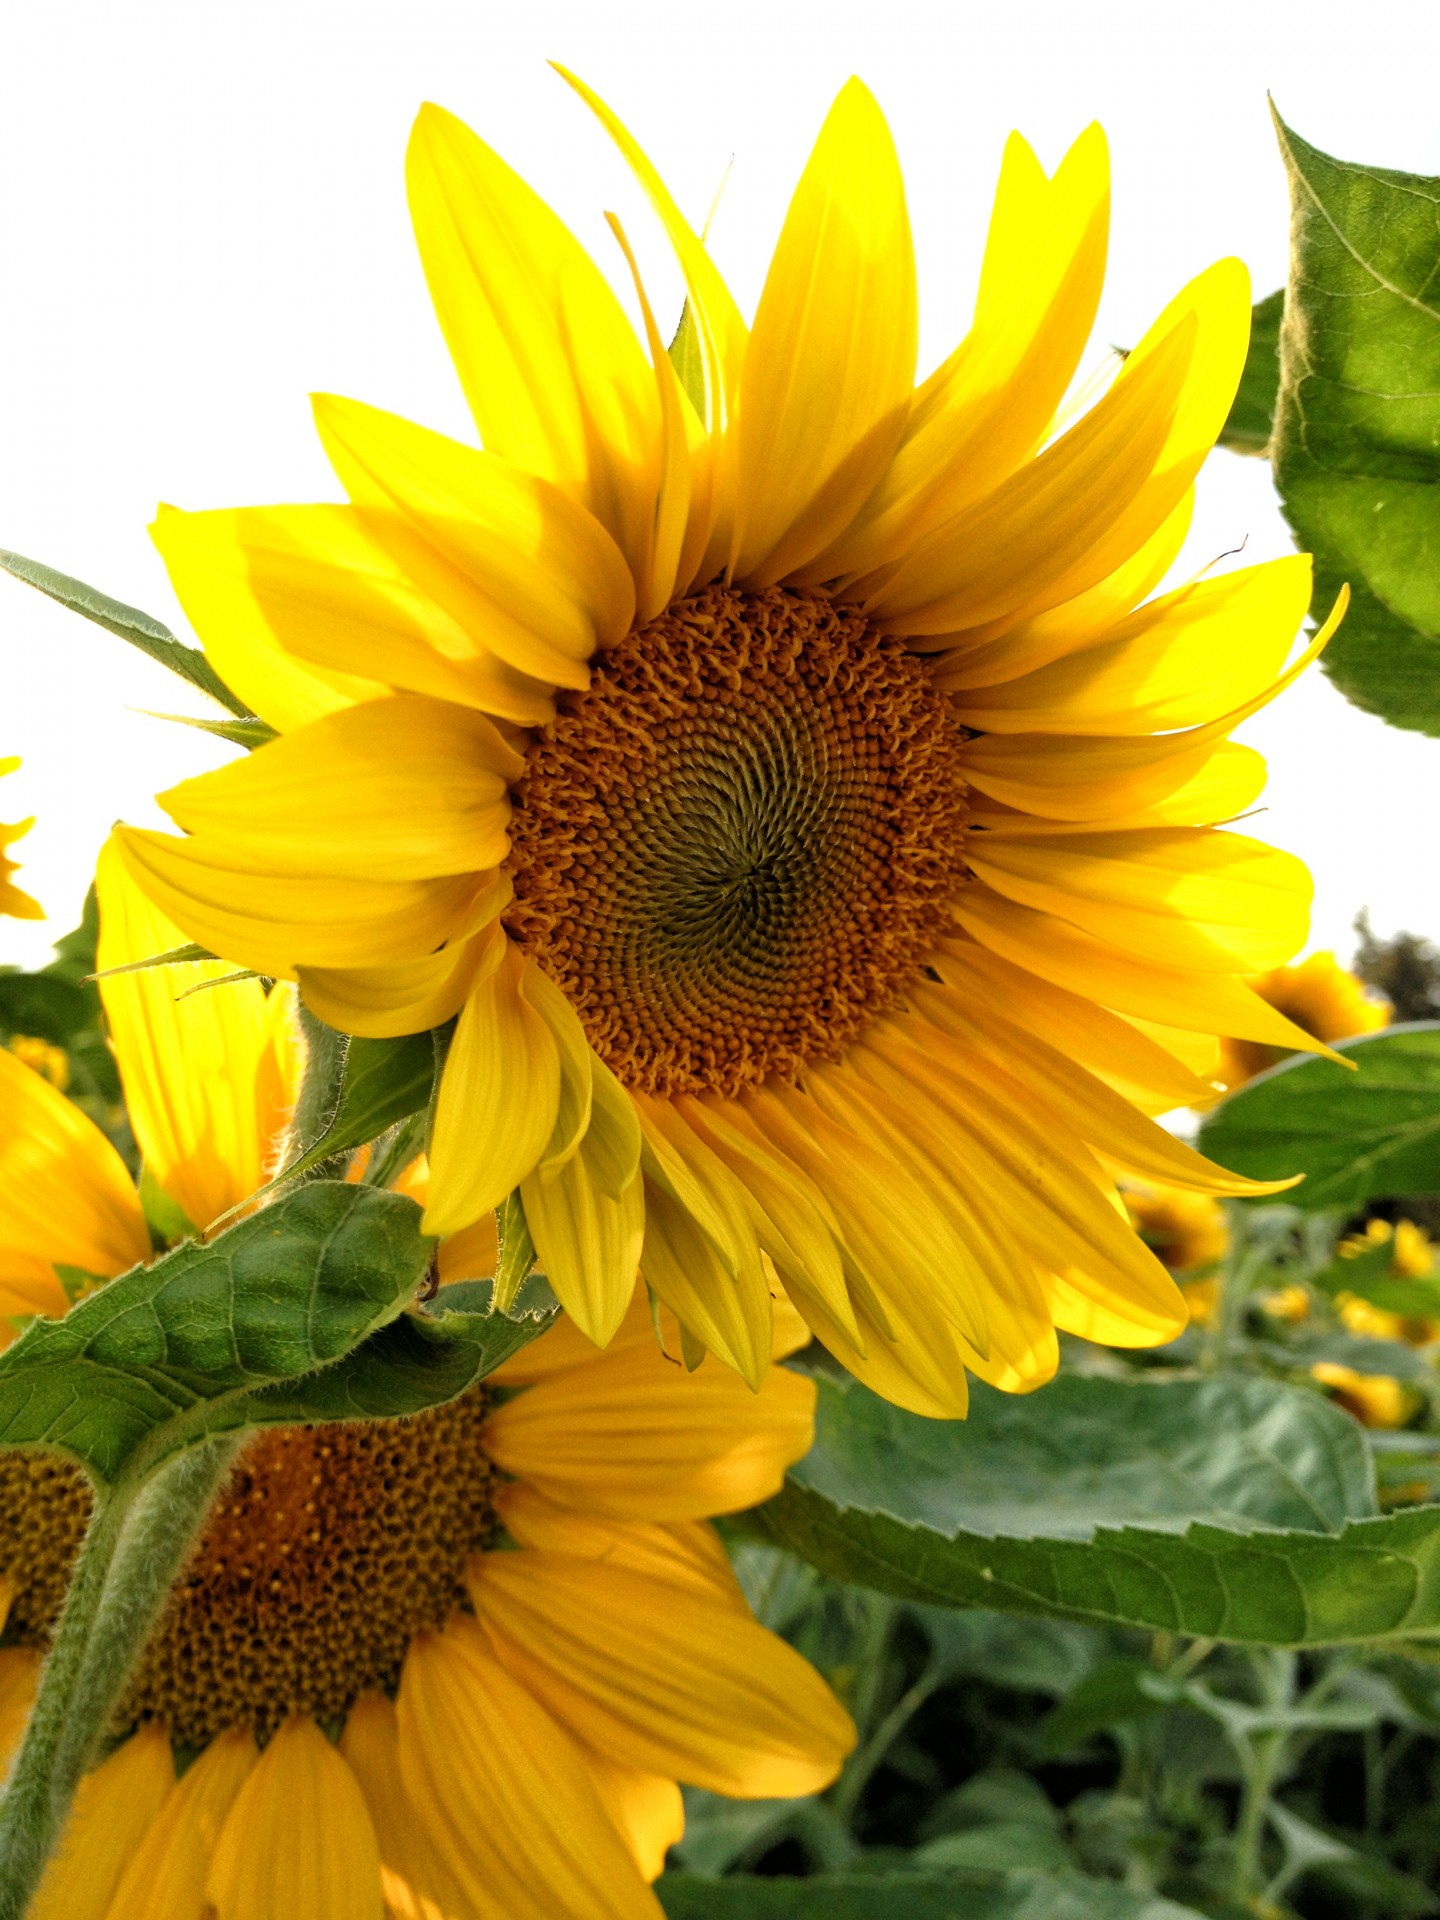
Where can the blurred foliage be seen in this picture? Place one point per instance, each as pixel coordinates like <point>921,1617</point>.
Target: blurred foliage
<point>1406,969</point>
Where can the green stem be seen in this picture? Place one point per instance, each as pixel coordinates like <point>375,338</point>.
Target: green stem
<point>1266,1751</point>
<point>321,1086</point>
<point>1250,1248</point>
<point>137,1539</point>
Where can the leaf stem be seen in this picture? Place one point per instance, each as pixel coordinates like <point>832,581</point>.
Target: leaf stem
<point>136,1542</point>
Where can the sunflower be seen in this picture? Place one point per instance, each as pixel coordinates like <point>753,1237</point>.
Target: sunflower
<point>776,765</point>
<point>1374,1399</point>
<point>1188,1232</point>
<point>350,1705</point>
<point>1412,1257</point>
<point>13,901</point>
<point>1318,995</point>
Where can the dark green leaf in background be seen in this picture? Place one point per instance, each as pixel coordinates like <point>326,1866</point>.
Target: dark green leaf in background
<point>1252,416</point>
<point>1357,428</point>
<point>1356,1136</point>
<point>129,623</point>
<point>1017,1895</point>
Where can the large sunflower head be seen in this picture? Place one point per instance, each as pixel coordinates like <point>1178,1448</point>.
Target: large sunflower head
<point>13,900</point>
<point>781,768</point>
<point>354,1703</point>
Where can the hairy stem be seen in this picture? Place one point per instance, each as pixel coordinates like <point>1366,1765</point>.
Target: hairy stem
<point>136,1542</point>
<point>321,1086</point>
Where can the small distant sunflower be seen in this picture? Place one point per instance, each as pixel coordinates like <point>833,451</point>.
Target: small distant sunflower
<point>777,766</point>
<point>1320,997</point>
<point>1374,1399</point>
<point>13,900</point>
<point>350,1705</point>
<point>1188,1232</point>
<point>1412,1257</point>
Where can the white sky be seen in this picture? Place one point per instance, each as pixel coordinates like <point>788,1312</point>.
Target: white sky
<point>205,219</point>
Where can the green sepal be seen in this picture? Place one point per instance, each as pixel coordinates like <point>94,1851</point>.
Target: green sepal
<point>129,623</point>
<point>166,1218</point>
<point>382,1082</point>
<point>1357,1135</point>
<point>248,733</point>
<point>688,360</point>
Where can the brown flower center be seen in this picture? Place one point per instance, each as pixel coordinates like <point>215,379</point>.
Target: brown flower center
<point>734,848</point>
<point>329,1549</point>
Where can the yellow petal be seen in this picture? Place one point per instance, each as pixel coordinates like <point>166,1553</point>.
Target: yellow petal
<point>65,1195</point>
<point>499,1094</point>
<point>108,1821</point>
<point>992,558</point>
<point>503,1795</point>
<point>684,1553</point>
<point>991,402</point>
<point>831,361</point>
<point>1185,658</point>
<point>638,1439</point>
<point>283,590</point>
<point>1185,896</point>
<point>203,561</point>
<point>661,1678</point>
<point>550,365</point>
<point>414,995</point>
<point>299,1839</point>
<point>165,1876</point>
<point>403,789</point>
<point>19,1677</point>
<point>1062,953</point>
<point>540,582</point>
<point>645,1807</point>
<point>587,1241</point>
<point>199,1071</point>
<point>275,923</point>
<point>412,1875</point>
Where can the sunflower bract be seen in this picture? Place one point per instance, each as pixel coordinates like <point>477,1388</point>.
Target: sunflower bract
<point>792,784</point>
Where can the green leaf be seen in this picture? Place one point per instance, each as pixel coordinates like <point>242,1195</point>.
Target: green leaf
<point>1018,1895</point>
<point>383,1082</point>
<point>248,733</point>
<point>293,1317</point>
<point>688,361</point>
<point>171,1354</point>
<point>1233,1509</point>
<point>1369,1134</point>
<point>1252,416</point>
<point>129,623</point>
<point>1367,1275</point>
<point>1357,426</point>
<point>1108,1697</point>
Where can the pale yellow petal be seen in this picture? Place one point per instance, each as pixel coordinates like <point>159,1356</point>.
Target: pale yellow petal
<point>109,1819</point>
<point>65,1195</point>
<point>828,373</point>
<point>499,1094</point>
<point>503,1794</point>
<point>299,1840</point>
<point>413,1878</point>
<point>660,1678</point>
<point>639,1439</point>
<point>166,1874</point>
<point>198,1071</point>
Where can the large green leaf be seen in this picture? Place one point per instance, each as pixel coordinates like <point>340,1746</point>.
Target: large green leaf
<point>1017,1895</point>
<point>293,1315</point>
<point>1234,1508</point>
<point>1357,426</point>
<point>1364,1135</point>
<point>1252,415</point>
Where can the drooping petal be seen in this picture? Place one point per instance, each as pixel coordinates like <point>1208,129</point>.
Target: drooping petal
<point>305,611</point>
<point>398,790</point>
<point>203,560</point>
<point>829,369</point>
<point>645,1807</point>
<point>662,1679</point>
<point>278,922</point>
<point>198,1070</point>
<point>511,556</point>
<point>109,1818</point>
<point>499,1095</point>
<point>166,1874</point>
<point>299,1839</point>
<point>65,1195</point>
<point>552,369</point>
<point>638,1439</point>
<point>503,1793</point>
